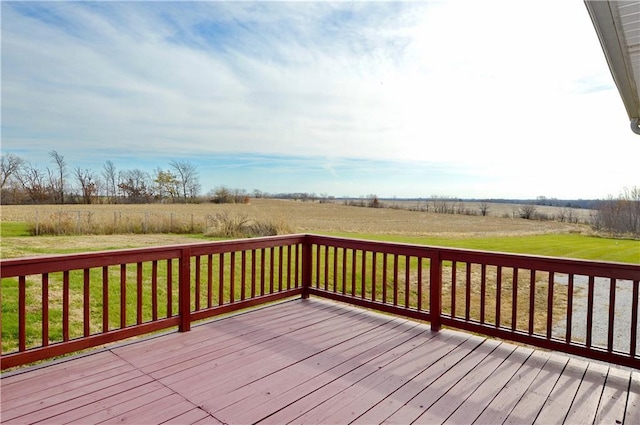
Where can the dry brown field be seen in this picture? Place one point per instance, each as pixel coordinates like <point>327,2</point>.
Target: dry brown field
<point>305,217</point>
<point>297,216</point>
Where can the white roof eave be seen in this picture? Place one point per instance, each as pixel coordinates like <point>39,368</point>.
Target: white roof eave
<point>617,24</point>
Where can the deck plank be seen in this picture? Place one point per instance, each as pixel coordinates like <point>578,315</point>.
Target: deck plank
<point>557,406</point>
<point>410,411</point>
<point>585,403</point>
<point>632,415</point>
<point>504,402</point>
<point>476,403</point>
<point>614,397</point>
<point>457,359</point>
<point>527,408</point>
<point>316,361</point>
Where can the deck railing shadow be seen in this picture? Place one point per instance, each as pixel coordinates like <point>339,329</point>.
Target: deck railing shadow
<point>58,304</point>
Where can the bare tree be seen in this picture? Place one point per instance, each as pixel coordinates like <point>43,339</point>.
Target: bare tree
<point>109,175</point>
<point>187,174</point>
<point>134,185</point>
<point>57,183</point>
<point>9,166</point>
<point>484,208</point>
<point>34,183</point>
<point>87,181</point>
<point>527,211</point>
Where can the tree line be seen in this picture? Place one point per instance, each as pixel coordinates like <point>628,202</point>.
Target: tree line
<point>22,182</point>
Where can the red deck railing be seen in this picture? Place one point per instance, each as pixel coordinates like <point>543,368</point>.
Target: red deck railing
<point>54,305</point>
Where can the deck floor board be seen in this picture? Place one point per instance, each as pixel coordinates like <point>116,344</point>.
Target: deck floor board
<point>316,361</point>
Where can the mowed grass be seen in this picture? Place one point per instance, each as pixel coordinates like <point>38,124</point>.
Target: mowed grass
<point>553,245</point>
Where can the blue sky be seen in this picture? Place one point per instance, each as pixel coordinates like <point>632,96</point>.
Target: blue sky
<point>501,99</point>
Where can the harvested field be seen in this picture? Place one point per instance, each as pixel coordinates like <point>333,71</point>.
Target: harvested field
<point>299,216</point>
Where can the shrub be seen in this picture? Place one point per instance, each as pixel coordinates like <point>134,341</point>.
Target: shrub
<point>225,225</point>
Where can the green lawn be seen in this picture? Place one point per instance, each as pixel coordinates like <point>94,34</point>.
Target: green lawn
<point>554,245</point>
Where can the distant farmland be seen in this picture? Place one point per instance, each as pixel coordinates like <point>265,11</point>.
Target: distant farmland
<point>303,217</point>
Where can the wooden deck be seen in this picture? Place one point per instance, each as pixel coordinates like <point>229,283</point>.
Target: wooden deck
<point>313,361</point>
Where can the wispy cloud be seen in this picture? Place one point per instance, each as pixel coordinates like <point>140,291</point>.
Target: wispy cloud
<point>313,86</point>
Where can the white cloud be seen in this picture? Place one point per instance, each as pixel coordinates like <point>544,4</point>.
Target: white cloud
<point>517,92</point>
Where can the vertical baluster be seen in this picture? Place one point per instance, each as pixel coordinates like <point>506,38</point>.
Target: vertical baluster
<point>280,269</point>
<point>384,277</point>
<point>550,296</point>
<point>344,271</point>
<point>454,281</point>
<point>612,312</point>
<point>232,278</point>
<point>209,280</point>
<point>253,273</point>
<point>86,304</point>
<point>197,283</point>
<point>363,277</point>
<point>105,299</point>
<point>154,290</point>
<point>169,287</point>
<point>353,272</point>
<point>407,280</point>
<point>590,311</point>
<point>243,275</point>
<point>139,292</point>
<point>532,300</point>
<point>395,279</point>
<point>271,270</point>
<point>634,319</point>
<point>262,268</point>
<point>514,300</point>
<point>326,267</point>
<point>374,272</point>
<point>45,309</point>
<point>289,267</point>
<point>483,291</point>
<point>123,296</point>
<point>467,292</point>
<point>569,308</point>
<point>316,282</point>
<point>221,279</point>
<point>65,305</point>
<point>498,295</point>
<point>22,313</point>
<point>419,288</point>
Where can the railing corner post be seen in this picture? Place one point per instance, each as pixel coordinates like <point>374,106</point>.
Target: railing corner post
<point>435,291</point>
<point>185,290</point>
<point>307,266</point>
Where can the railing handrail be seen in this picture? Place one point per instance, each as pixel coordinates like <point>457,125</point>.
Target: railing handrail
<point>243,261</point>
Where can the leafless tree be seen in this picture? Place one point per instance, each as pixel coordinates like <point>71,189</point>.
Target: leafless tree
<point>187,174</point>
<point>88,186</point>
<point>484,208</point>
<point>109,174</point>
<point>527,211</point>
<point>34,182</point>
<point>9,166</point>
<point>57,183</point>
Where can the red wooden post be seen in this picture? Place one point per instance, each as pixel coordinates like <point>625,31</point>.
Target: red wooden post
<point>184,285</point>
<point>435,290</point>
<point>307,264</point>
